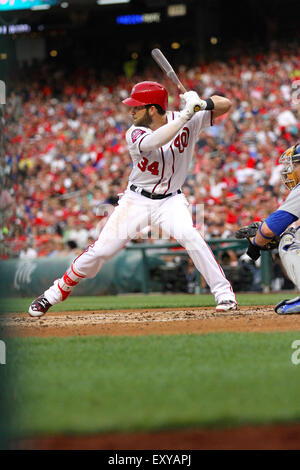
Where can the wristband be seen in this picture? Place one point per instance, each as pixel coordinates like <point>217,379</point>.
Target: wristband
<point>254,243</point>
<point>253,251</point>
<point>264,236</point>
<point>209,104</point>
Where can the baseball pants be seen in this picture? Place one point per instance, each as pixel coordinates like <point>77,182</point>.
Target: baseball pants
<point>133,214</point>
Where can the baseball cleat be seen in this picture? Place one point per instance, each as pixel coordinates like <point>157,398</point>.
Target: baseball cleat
<point>226,305</point>
<point>287,307</point>
<point>39,307</point>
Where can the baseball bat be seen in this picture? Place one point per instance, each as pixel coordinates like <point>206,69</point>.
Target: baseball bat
<point>166,67</point>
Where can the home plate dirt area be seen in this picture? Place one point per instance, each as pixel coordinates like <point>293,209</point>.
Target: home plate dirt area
<point>147,321</point>
<point>163,321</point>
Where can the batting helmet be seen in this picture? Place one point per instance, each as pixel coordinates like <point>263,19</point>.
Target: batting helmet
<point>288,159</point>
<point>144,93</point>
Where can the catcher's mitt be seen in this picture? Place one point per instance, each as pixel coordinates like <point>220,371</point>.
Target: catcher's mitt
<point>249,232</point>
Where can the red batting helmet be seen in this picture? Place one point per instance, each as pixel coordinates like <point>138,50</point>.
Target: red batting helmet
<point>148,93</point>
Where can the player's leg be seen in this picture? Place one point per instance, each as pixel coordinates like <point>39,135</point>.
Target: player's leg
<point>289,252</point>
<point>128,218</point>
<point>176,220</point>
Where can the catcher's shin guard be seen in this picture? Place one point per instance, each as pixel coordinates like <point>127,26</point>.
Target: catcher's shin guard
<point>289,252</point>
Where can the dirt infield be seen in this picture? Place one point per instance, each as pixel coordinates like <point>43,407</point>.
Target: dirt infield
<point>144,322</point>
<point>159,321</point>
<point>277,437</point>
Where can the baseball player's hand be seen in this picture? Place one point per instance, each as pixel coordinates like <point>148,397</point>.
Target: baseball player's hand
<point>191,102</point>
<point>249,233</point>
<point>253,251</point>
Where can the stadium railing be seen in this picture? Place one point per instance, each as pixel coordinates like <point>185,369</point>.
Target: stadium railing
<point>217,245</point>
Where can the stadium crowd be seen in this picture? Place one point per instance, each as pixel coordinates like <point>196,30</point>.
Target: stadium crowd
<point>64,155</point>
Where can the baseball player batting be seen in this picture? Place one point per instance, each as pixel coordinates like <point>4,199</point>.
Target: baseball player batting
<point>275,229</point>
<point>161,144</point>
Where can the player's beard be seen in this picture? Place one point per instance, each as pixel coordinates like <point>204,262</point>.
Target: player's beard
<point>144,121</point>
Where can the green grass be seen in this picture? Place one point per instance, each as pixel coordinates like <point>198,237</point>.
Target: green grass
<point>142,301</point>
<point>92,384</point>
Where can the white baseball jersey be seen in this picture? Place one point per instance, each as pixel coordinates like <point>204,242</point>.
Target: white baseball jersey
<point>164,170</point>
<point>292,202</point>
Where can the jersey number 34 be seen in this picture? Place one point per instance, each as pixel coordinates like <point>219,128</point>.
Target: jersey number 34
<point>153,167</point>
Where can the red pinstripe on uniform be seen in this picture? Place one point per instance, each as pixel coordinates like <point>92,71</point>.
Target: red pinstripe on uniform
<point>173,155</point>
<point>90,246</point>
<point>76,274</point>
<point>173,117</point>
<point>87,249</point>
<point>222,272</point>
<point>163,169</point>
<point>141,140</point>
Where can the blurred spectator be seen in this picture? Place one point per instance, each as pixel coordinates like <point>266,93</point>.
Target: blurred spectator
<point>27,252</point>
<point>190,276</point>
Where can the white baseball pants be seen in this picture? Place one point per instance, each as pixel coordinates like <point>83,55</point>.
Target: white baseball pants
<point>134,213</point>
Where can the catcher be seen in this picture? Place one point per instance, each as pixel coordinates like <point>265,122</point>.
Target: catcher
<point>275,231</point>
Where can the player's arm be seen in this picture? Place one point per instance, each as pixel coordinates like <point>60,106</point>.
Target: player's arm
<point>162,135</point>
<point>265,236</point>
<point>167,132</point>
<point>216,105</point>
<point>221,105</point>
<point>273,226</point>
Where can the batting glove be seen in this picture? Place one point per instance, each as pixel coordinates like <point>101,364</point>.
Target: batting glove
<point>192,103</point>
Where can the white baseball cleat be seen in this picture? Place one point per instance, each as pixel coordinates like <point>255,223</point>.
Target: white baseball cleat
<point>226,305</point>
<point>39,307</point>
